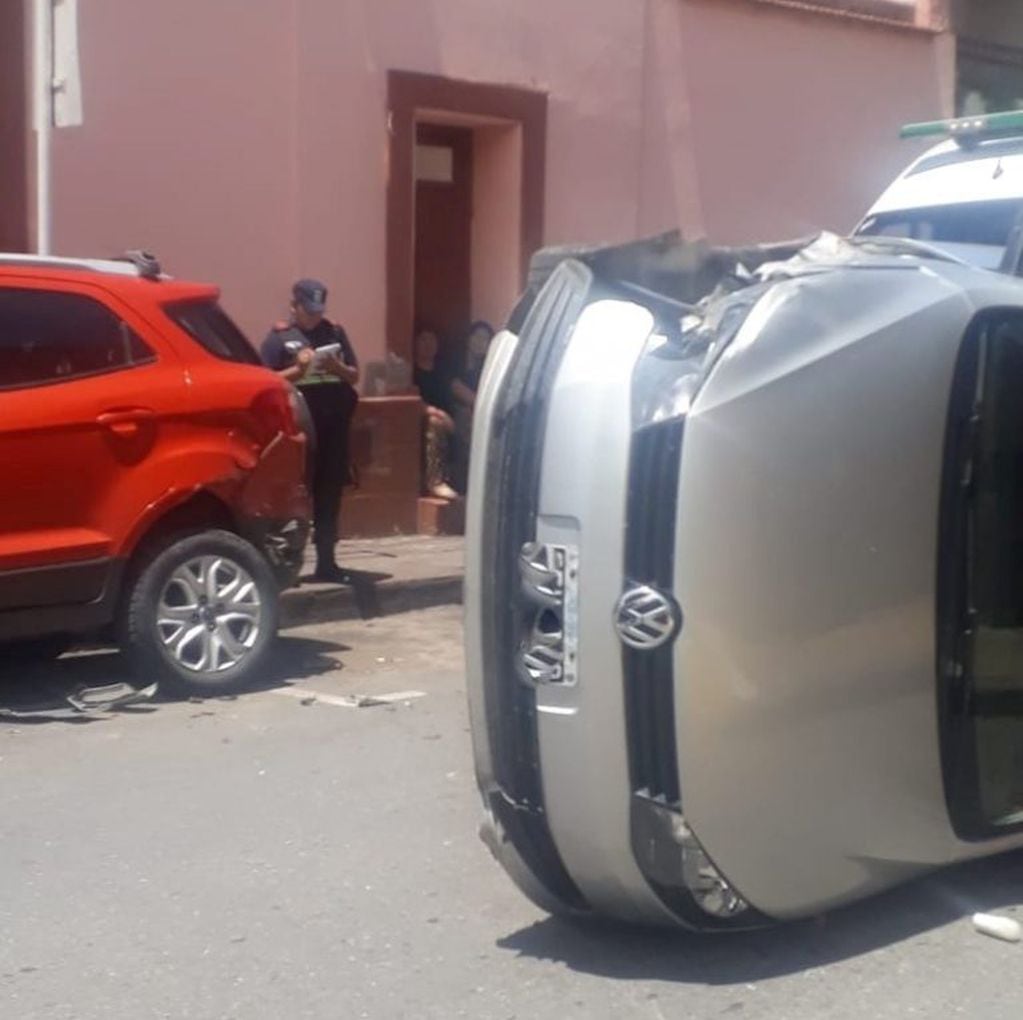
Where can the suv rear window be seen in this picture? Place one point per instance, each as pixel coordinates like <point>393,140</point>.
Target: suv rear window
<point>211,327</point>
<point>49,337</point>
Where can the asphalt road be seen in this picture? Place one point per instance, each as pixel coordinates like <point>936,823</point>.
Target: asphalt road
<point>275,856</point>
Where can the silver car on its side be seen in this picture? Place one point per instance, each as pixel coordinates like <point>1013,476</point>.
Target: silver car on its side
<point>745,577</point>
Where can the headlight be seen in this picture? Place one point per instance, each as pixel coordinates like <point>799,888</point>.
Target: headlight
<point>673,859</point>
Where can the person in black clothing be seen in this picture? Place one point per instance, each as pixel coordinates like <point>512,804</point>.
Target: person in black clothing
<point>434,387</point>
<point>327,380</point>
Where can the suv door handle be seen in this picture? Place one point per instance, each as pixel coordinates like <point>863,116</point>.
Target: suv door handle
<point>126,423</point>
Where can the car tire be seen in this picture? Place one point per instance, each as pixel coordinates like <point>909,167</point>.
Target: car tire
<point>201,614</point>
<point>41,649</point>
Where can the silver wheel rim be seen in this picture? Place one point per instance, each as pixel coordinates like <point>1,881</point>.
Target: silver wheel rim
<point>210,614</point>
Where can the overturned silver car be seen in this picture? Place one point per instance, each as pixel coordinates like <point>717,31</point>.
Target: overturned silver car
<point>745,577</point>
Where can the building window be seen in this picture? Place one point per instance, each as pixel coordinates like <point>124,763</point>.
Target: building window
<point>989,78</point>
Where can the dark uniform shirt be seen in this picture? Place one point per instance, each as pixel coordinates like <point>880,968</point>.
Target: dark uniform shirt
<point>282,344</point>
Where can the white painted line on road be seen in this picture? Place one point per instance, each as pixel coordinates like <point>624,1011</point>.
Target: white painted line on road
<point>310,696</point>
<point>390,699</point>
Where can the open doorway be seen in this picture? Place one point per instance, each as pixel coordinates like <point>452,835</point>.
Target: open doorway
<point>465,202</point>
<point>465,207</point>
<point>468,224</point>
<point>442,273</point>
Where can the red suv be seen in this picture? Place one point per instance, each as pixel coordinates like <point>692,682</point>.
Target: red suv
<point>153,473</point>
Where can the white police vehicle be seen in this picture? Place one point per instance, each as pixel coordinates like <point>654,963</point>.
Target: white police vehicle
<point>964,196</point>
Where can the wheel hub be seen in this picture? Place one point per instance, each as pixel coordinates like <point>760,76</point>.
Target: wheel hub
<point>210,614</point>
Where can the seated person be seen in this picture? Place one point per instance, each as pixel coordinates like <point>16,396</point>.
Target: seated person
<point>434,387</point>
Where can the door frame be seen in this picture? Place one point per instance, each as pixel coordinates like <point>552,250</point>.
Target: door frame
<point>410,94</point>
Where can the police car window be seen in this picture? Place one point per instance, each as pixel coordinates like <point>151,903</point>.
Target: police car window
<point>211,327</point>
<point>48,337</point>
<point>976,231</point>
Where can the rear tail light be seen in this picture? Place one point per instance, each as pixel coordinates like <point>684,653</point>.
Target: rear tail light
<point>275,413</point>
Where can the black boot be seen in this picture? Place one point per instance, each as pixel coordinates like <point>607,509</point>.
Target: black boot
<point>331,573</point>
<point>327,570</point>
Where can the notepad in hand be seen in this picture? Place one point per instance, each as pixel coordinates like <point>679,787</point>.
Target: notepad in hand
<point>324,354</point>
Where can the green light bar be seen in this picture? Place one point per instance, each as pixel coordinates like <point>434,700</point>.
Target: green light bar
<point>969,129</point>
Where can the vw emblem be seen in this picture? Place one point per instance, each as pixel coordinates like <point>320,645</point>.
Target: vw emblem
<point>646,619</point>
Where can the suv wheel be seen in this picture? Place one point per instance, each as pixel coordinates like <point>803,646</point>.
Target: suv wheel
<point>201,614</point>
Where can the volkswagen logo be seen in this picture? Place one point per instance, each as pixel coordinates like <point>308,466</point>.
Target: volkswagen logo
<point>646,619</point>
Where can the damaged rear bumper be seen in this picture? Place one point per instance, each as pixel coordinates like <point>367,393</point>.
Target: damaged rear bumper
<point>276,507</point>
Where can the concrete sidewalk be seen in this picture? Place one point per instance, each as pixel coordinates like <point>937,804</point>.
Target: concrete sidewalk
<point>389,575</point>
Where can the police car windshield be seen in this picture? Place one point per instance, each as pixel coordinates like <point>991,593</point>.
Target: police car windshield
<point>976,232</point>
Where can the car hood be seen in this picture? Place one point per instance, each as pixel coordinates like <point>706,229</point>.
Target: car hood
<point>806,572</point>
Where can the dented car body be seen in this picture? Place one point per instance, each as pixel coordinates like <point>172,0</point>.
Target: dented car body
<point>745,577</point>
<point>154,471</point>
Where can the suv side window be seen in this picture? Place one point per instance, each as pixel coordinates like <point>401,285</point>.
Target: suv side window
<point>49,337</point>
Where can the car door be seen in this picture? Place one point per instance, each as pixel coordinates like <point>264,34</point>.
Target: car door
<point>84,401</point>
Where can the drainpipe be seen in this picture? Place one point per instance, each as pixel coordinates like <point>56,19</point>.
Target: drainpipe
<point>42,81</point>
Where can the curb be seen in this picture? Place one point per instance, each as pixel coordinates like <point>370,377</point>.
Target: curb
<point>366,600</point>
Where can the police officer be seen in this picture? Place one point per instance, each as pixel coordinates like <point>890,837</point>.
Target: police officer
<point>326,379</point>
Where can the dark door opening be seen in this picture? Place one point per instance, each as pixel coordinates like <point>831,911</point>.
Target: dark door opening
<point>443,230</point>
<point>497,141</point>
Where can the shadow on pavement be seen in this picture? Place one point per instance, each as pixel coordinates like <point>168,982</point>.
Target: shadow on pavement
<point>626,953</point>
<point>363,584</point>
<point>368,596</point>
<point>38,693</point>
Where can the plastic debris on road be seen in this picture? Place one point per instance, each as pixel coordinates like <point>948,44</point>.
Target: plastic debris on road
<point>1004,928</point>
<point>109,697</point>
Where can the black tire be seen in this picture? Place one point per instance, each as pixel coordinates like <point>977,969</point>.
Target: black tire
<point>193,659</point>
<point>41,649</point>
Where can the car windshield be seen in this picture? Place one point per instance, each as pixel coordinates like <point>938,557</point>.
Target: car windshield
<point>976,232</point>
<point>208,324</point>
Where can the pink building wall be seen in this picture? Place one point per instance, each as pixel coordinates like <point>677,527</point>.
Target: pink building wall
<point>246,142</point>
<point>796,115</point>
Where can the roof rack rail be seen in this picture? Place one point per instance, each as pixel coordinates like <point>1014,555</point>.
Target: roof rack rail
<point>147,264</point>
<point>133,263</point>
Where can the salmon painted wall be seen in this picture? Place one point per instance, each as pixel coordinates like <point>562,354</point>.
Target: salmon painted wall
<point>796,115</point>
<point>187,146</point>
<point>247,142</point>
